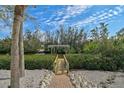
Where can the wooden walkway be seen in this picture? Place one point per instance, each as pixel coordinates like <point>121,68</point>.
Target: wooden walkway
<point>61,81</point>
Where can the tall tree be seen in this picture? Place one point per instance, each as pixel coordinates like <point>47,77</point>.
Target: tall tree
<point>95,34</point>
<point>36,38</point>
<point>18,18</point>
<point>120,34</point>
<point>6,14</point>
<point>21,52</point>
<point>21,48</point>
<point>103,31</point>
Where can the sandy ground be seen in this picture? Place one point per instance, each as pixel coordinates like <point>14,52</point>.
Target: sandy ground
<point>112,79</point>
<point>32,78</point>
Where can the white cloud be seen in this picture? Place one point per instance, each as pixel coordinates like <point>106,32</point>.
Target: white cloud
<point>58,18</point>
<point>101,16</point>
<point>61,21</point>
<point>120,9</point>
<point>72,11</point>
<point>75,10</point>
<point>110,15</point>
<point>68,12</point>
<point>47,21</point>
<point>60,13</point>
<point>115,12</point>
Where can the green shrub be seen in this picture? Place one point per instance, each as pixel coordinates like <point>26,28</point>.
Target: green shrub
<point>94,62</point>
<point>108,64</point>
<point>31,61</point>
<point>74,61</point>
<point>91,47</point>
<point>4,62</point>
<point>117,57</point>
<point>39,61</point>
<point>72,50</point>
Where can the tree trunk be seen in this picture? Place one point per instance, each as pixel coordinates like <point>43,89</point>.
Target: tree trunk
<point>18,18</point>
<point>21,52</point>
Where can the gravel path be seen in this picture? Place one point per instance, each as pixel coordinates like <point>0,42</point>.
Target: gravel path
<point>32,79</point>
<point>86,78</point>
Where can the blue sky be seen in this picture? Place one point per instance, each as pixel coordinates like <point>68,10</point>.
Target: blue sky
<point>50,17</point>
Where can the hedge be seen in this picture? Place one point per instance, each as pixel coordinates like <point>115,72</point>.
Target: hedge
<point>5,62</point>
<point>95,62</point>
<point>111,62</point>
<point>31,61</point>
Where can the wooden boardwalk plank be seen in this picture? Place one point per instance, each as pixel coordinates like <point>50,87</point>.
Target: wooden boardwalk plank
<point>61,81</point>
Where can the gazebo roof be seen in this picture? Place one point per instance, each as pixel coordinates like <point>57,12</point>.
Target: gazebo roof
<point>51,46</point>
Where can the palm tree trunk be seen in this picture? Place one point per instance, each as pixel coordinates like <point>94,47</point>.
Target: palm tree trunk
<point>21,52</point>
<point>18,17</point>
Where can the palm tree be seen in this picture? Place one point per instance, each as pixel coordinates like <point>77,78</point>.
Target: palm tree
<point>18,18</point>
<point>6,14</point>
<point>21,52</point>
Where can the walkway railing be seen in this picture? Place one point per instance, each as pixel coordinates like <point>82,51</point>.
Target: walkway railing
<point>67,64</point>
<point>65,68</point>
<point>54,64</point>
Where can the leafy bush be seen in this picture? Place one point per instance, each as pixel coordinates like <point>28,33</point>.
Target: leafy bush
<point>117,57</point>
<point>72,50</point>
<point>5,46</point>
<point>91,47</point>
<point>4,62</point>
<point>31,61</point>
<point>95,62</point>
<point>39,61</point>
<point>79,61</point>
